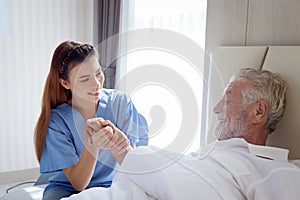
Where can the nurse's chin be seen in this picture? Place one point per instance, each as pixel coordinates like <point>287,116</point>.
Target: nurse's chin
<point>92,99</point>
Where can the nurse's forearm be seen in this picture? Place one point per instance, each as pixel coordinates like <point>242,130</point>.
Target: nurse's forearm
<point>81,174</point>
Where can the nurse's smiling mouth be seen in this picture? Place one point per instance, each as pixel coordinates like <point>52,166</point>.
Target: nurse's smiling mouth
<point>97,93</point>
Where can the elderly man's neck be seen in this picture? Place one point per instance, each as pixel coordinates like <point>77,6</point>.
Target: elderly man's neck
<point>258,137</point>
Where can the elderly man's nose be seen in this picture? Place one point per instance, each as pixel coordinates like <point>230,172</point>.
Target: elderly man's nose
<point>218,108</point>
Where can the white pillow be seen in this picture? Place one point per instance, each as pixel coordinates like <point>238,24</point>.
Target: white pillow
<point>295,162</point>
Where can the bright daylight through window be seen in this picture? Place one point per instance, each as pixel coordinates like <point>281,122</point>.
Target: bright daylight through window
<point>159,102</point>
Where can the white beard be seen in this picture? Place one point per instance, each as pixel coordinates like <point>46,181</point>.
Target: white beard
<point>235,128</point>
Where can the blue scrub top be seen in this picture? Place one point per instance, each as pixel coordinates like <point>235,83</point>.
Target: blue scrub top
<point>65,139</point>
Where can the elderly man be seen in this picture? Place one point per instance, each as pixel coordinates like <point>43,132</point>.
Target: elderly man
<point>236,166</point>
<point>252,105</point>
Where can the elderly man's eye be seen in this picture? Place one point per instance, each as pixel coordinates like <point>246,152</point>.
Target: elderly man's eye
<point>228,92</point>
<point>228,101</point>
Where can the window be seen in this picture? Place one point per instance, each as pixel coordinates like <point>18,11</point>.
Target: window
<point>165,71</point>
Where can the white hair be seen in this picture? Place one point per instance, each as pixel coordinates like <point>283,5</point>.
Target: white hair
<point>268,86</point>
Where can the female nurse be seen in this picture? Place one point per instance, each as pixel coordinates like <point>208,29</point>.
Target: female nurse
<point>74,94</point>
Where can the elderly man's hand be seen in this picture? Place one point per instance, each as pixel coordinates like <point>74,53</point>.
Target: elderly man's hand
<point>119,143</point>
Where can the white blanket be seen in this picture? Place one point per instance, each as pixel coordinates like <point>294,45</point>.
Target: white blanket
<point>222,174</point>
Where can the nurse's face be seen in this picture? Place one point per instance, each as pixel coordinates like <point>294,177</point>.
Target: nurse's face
<point>86,81</point>
<point>234,118</point>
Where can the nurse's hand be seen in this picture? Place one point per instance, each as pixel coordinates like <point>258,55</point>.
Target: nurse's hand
<point>118,143</point>
<point>106,136</point>
<point>97,135</point>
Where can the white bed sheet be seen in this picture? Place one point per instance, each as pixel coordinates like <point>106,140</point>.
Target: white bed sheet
<point>157,176</point>
<point>27,193</point>
<point>166,175</point>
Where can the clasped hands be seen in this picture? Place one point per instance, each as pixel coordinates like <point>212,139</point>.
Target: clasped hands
<point>102,134</point>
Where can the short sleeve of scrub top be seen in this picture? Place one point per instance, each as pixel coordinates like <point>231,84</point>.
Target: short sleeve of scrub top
<point>60,150</point>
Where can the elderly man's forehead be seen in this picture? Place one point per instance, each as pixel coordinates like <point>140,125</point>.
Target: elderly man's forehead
<point>240,83</point>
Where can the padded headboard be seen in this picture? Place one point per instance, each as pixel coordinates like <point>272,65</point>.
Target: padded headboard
<point>285,60</point>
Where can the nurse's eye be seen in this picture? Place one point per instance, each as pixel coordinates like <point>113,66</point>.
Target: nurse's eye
<point>99,74</point>
<point>84,80</point>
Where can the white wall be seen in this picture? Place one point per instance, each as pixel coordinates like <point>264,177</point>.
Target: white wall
<point>32,31</point>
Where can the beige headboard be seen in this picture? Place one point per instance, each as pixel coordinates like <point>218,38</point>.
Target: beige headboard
<point>284,60</point>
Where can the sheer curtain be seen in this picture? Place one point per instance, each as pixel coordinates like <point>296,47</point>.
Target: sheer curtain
<point>157,101</point>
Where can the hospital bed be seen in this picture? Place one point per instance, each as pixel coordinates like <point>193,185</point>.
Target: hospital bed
<point>224,62</point>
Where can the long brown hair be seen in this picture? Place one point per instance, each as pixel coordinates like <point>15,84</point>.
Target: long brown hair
<point>65,57</point>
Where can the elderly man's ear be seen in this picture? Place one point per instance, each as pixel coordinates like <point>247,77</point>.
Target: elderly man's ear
<point>260,114</point>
